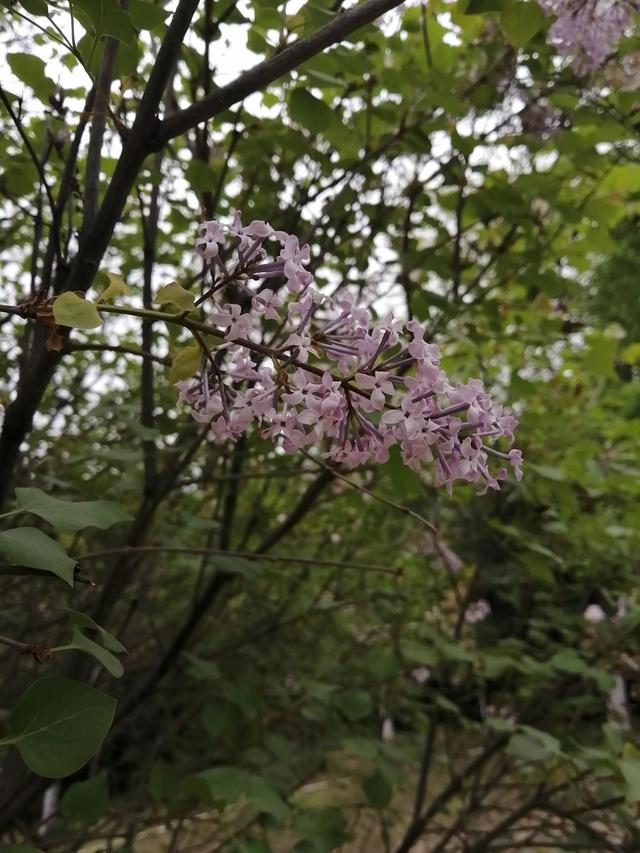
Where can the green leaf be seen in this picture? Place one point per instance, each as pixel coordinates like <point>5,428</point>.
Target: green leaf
<point>146,16</point>
<point>28,546</point>
<point>105,18</point>
<point>70,309</point>
<point>86,802</point>
<point>309,111</point>
<point>599,358</point>
<point>82,643</point>
<point>20,178</point>
<point>70,515</point>
<point>418,653</point>
<point>549,472</point>
<point>30,69</point>
<point>326,828</point>
<point>377,789</point>
<point>174,294</point>
<point>631,354</point>
<point>453,651</point>
<point>35,7</point>
<point>479,7</point>
<point>200,175</point>
<point>238,565</point>
<point>58,725</point>
<point>185,363</point>
<point>532,745</point>
<point>81,620</point>
<point>354,704</point>
<point>630,768</point>
<point>521,21</point>
<point>499,724</point>
<point>228,784</point>
<point>568,661</point>
<point>220,719</point>
<point>116,287</point>
<point>252,845</point>
<point>205,670</point>
<point>266,799</point>
<point>163,781</point>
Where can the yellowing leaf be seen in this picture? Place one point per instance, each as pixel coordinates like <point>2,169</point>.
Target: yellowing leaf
<point>631,354</point>
<point>185,363</point>
<point>71,309</point>
<point>116,287</point>
<point>174,294</point>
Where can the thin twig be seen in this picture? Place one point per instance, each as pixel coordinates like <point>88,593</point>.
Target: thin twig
<point>73,347</point>
<point>23,648</point>
<point>36,162</point>
<point>400,507</point>
<point>246,555</point>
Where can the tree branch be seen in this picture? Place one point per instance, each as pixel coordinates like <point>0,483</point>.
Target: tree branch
<point>36,162</point>
<point>135,149</point>
<point>271,69</point>
<point>72,347</point>
<point>96,135</point>
<point>245,555</point>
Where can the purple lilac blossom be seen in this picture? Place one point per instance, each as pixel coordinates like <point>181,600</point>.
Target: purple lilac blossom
<point>588,30</point>
<point>333,375</point>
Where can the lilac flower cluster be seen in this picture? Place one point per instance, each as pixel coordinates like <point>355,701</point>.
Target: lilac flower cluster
<point>331,374</point>
<point>588,30</point>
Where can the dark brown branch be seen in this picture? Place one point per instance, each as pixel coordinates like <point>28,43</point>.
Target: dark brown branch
<point>64,191</point>
<point>217,583</point>
<point>425,766</point>
<point>246,555</point>
<point>124,571</point>
<point>298,512</point>
<point>41,366</point>
<point>271,69</point>
<point>456,266</point>
<point>36,161</point>
<point>135,149</point>
<point>96,135</point>
<point>72,347</point>
<point>147,378</point>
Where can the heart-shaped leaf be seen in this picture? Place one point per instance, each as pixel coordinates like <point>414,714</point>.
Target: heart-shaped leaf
<point>174,294</point>
<point>86,802</point>
<point>28,546</point>
<point>58,725</point>
<point>82,643</point>
<point>70,309</point>
<point>185,363</point>
<point>116,287</point>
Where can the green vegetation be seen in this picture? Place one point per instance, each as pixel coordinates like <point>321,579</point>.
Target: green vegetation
<point>258,618</point>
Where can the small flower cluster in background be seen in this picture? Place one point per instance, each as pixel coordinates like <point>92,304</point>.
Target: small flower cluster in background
<point>312,370</point>
<point>588,30</point>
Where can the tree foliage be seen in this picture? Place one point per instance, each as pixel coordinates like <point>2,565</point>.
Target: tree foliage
<point>257,617</point>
